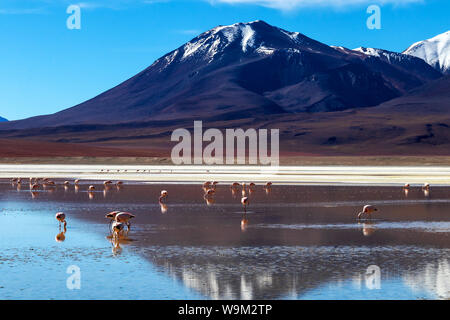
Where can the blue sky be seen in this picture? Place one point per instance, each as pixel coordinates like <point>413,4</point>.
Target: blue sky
<point>45,67</point>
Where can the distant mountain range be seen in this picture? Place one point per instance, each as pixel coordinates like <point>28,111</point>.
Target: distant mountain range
<point>3,119</point>
<point>253,74</point>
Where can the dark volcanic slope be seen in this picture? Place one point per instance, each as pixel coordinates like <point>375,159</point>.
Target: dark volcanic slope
<point>246,70</point>
<point>3,119</point>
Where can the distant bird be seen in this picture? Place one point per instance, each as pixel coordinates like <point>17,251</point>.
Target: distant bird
<point>107,182</point>
<point>210,192</point>
<point>66,183</point>
<point>119,183</point>
<point>406,186</point>
<point>76,182</point>
<point>268,185</point>
<point>252,185</point>
<point>91,188</point>
<point>164,195</point>
<point>35,186</point>
<point>367,210</point>
<point>215,183</point>
<point>245,203</point>
<point>125,217</point>
<point>426,186</point>
<point>207,184</point>
<point>61,217</point>
<point>235,185</point>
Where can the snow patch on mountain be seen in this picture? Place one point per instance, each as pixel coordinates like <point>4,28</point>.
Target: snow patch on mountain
<point>380,53</point>
<point>435,51</point>
<point>248,37</point>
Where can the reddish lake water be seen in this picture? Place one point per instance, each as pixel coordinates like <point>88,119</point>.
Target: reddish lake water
<point>298,242</point>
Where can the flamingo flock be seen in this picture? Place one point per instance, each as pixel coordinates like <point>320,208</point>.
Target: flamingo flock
<point>120,221</point>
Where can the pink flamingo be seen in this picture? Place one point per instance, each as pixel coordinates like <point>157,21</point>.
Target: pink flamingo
<point>163,196</point>
<point>61,217</point>
<point>368,210</point>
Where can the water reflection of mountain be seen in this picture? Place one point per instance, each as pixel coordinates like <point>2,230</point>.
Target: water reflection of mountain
<point>282,272</point>
<point>433,278</point>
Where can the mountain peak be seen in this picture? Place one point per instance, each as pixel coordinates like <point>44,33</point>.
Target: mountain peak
<point>243,39</point>
<point>3,119</point>
<point>435,51</point>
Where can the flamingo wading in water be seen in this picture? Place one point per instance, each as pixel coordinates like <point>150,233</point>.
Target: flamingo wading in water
<point>61,217</point>
<point>367,210</point>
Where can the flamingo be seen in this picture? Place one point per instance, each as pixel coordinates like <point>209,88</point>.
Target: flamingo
<point>207,184</point>
<point>164,195</point>
<point>61,217</point>
<point>245,203</point>
<point>35,186</point>
<point>125,217</point>
<point>368,210</point>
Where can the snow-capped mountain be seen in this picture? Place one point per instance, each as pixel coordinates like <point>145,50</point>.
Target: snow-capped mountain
<point>247,70</point>
<point>3,119</point>
<point>234,42</point>
<point>435,51</point>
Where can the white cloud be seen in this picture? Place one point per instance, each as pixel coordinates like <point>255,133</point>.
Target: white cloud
<point>287,5</point>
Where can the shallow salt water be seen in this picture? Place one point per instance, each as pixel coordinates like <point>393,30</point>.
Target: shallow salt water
<point>296,242</point>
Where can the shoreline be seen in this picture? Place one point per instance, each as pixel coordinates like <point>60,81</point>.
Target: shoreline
<point>285,160</point>
<point>283,175</point>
